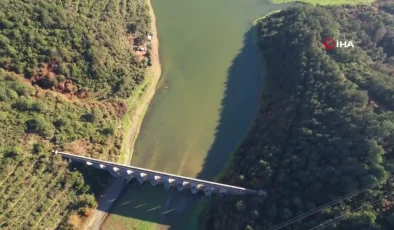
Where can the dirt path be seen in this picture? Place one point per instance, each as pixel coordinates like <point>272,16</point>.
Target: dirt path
<point>154,72</point>
<point>105,203</point>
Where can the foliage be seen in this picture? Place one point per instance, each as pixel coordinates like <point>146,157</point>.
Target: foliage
<point>33,183</point>
<point>65,69</point>
<point>325,126</point>
<point>83,43</point>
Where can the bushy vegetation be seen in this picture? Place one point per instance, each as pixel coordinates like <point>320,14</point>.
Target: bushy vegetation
<point>38,189</point>
<point>66,68</point>
<point>75,46</point>
<point>325,126</point>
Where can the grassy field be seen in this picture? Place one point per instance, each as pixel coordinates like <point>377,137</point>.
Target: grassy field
<point>326,2</point>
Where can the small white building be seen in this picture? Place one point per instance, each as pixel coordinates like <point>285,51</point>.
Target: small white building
<point>140,48</point>
<point>149,37</point>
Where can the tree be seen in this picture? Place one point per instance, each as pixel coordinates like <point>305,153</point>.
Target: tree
<point>321,131</point>
<point>39,126</point>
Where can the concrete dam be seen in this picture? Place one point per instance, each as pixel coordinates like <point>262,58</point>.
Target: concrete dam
<point>168,180</point>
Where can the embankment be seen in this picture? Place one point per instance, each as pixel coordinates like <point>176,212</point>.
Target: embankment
<point>140,103</point>
<point>132,124</point>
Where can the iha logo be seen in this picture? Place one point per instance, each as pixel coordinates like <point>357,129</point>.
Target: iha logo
<point>330,44</point>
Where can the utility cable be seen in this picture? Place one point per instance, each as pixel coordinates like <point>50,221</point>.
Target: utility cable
<point>309,213</point>
<point>313,221</point>
<point>336,219</point>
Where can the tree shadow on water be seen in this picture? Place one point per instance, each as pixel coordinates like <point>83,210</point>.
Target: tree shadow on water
<point>238,107</point>
<point>148,204</point>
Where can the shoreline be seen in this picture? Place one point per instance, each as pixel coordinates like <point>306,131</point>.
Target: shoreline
<point>134,122</point>
<point>263,74</point>
<point>200,211</point>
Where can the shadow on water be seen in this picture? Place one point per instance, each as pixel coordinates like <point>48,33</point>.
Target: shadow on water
<point>238,108</point>
<point>239,105</point>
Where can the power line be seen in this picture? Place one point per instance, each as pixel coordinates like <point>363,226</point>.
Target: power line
<point>309,213</point>
<point>336,219</point>
<point>314,221</point>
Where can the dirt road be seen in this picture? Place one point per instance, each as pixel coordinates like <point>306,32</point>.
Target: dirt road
<point>105,203</point>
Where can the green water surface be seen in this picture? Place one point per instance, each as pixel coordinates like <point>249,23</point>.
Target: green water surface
<point>206,102</point>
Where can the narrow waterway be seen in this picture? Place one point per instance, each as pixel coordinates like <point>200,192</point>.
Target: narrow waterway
<point>206,101</point>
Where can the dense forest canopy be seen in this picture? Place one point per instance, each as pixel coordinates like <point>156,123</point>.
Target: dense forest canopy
<point>86,44</point>
<point>325,126</point>
<point>66,70</point>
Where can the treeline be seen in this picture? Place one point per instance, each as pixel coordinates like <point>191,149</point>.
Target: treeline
<point>325,126</point>
<point>66,68</point>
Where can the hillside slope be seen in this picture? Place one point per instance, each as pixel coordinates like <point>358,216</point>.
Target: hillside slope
<point>325,126</point>
<point>66,70</point>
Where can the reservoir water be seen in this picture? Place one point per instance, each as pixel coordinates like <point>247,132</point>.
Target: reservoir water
<point>206,101</point>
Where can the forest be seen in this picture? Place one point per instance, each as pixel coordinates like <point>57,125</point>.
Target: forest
<point>67,69</point>
<point>325,127</point>
<point>84,45</point>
